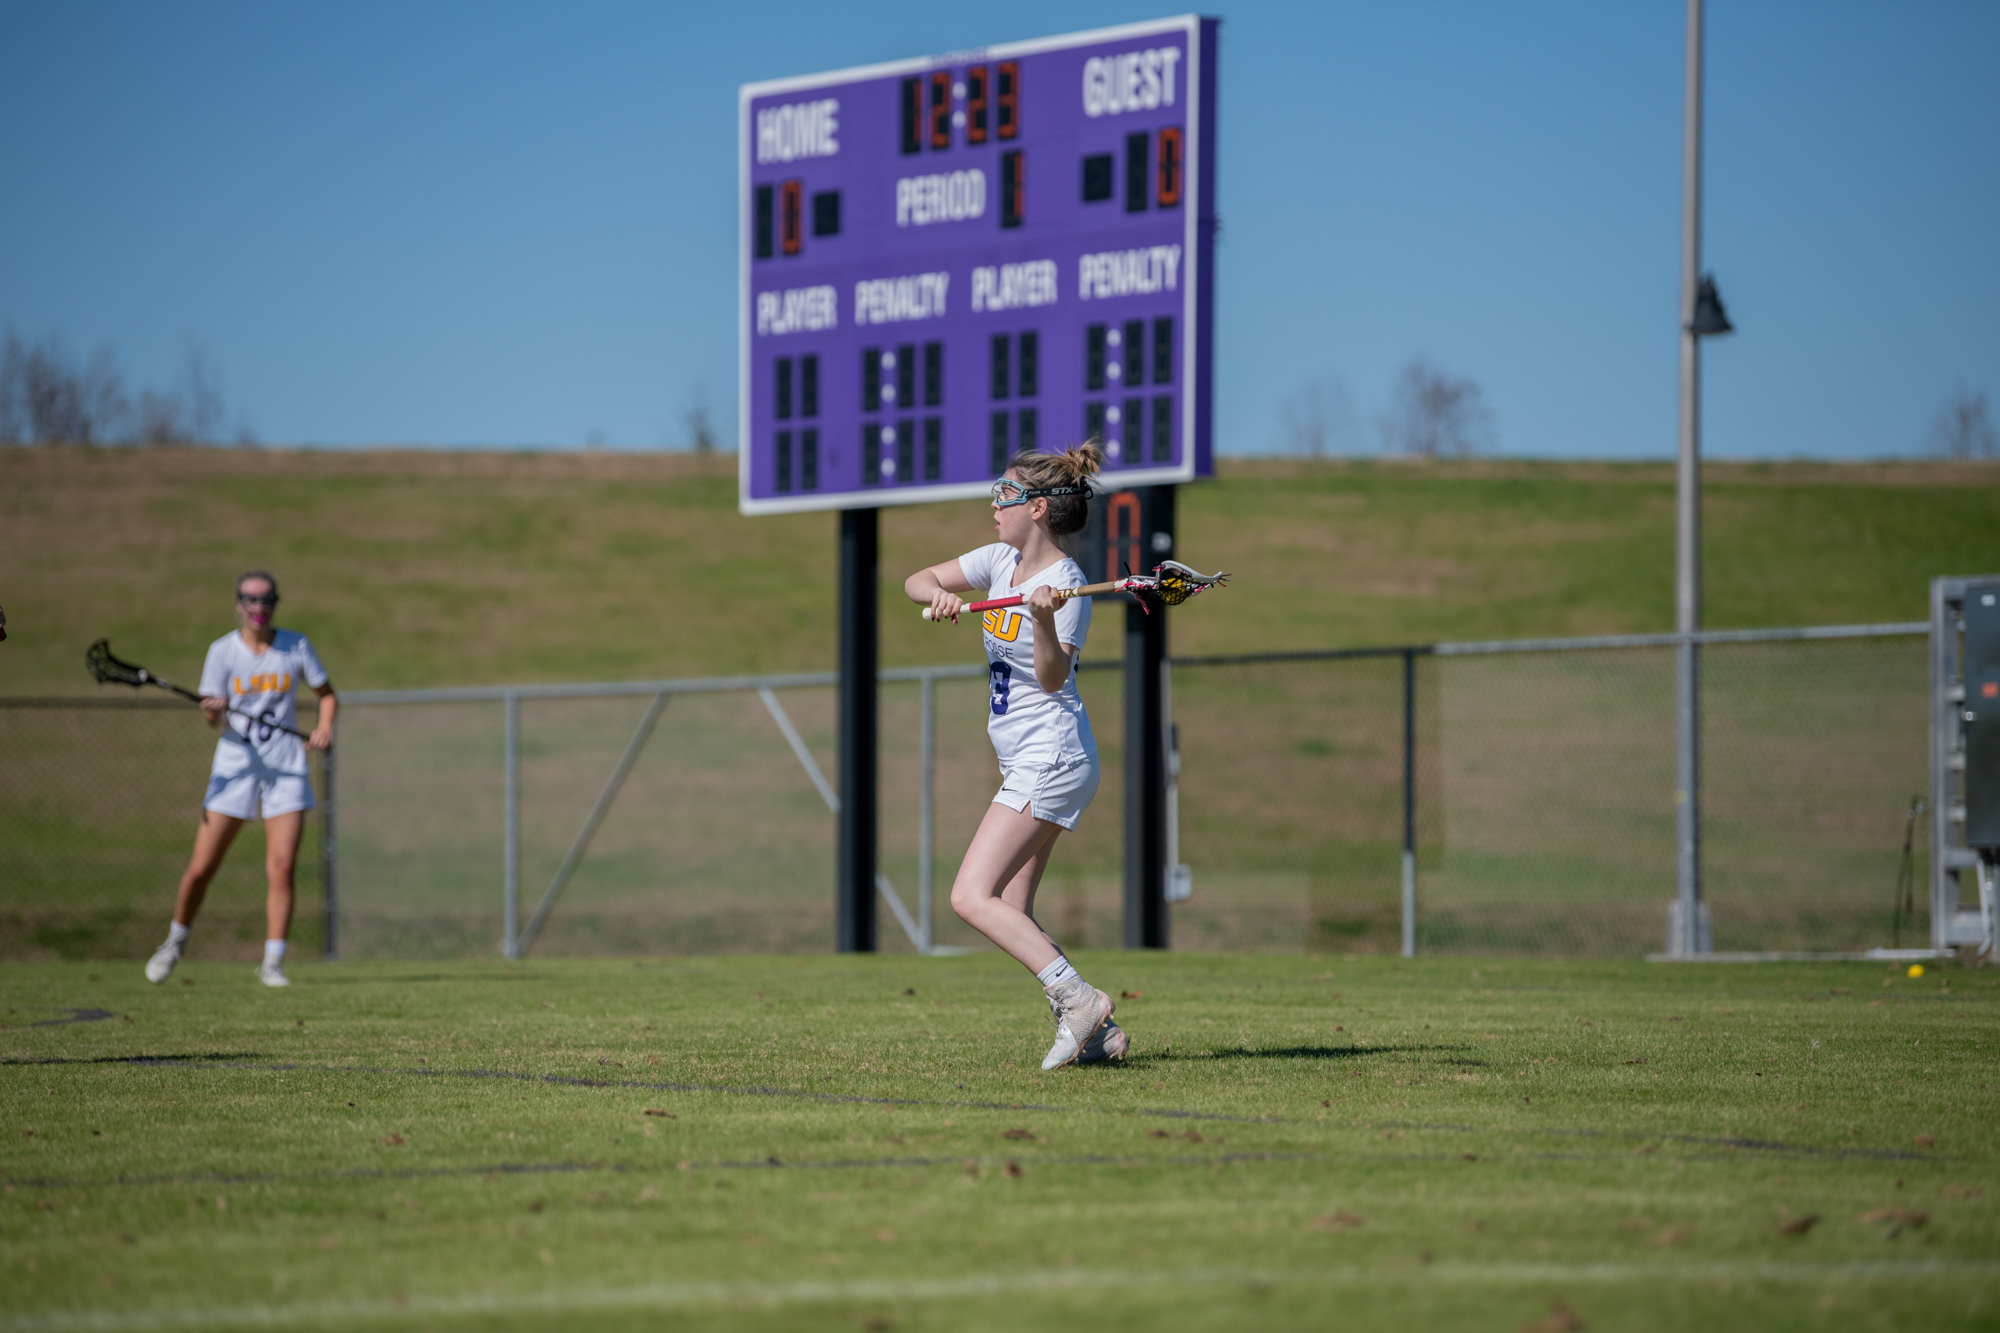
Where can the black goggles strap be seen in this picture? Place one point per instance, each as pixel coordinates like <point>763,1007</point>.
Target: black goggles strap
<point>1040,491</point>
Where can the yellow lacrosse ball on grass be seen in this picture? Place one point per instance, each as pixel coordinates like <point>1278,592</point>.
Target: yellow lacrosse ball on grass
<point>1916,970</point>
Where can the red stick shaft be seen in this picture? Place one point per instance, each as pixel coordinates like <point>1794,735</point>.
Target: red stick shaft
<point>1062,594</point>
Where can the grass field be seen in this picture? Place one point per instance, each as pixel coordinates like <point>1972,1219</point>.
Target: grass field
<point>866,1143</point>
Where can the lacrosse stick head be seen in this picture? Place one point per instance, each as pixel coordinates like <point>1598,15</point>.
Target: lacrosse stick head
<point>108,670</point>
<point>1176,582</point>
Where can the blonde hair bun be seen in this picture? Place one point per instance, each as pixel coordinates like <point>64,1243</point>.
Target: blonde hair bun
<point>1074,466</point>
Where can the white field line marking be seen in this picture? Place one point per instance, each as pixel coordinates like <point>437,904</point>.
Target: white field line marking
<point>675,1294</point>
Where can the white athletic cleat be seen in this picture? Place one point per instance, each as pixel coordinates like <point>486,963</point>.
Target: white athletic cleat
<point>1110,1042</point>
<point>161,965</point>
<point>272,972</point>
<point>1081,1010</point>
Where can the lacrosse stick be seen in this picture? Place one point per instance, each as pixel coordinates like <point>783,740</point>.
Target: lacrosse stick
<point>1170,583</point>
<point>108,670</point>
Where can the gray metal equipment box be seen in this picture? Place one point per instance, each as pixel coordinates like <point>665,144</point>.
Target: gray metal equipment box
<point>1965,762</point>
<point>1980,671</point>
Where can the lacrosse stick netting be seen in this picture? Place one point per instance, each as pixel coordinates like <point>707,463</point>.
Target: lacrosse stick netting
<point>107,669</point>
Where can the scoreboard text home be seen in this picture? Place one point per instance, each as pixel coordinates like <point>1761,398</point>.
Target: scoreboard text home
<point>946,261</point>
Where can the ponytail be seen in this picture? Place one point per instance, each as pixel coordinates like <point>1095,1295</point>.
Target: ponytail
<point>1068,514</point>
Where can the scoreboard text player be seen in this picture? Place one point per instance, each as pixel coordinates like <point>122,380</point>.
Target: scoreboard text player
<point>945,261</point>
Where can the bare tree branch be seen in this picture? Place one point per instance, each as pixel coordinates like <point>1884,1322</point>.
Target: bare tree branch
<point>700,426</point>
<point>45,397</point>
<point>1962,428</point>
<point>52,401</point>
<point>192,413</point>
<point>1320,419</point>
<point>13,401</point>
<point>1437,414</point>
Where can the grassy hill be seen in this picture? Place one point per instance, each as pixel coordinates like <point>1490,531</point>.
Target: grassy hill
<point>425,569</point>
<point>416,569</point>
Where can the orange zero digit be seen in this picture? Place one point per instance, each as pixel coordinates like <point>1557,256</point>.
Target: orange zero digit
<point>791,216</point>
<point>1171,158</point>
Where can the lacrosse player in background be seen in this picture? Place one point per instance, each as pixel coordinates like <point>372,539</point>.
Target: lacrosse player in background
<point>260,766</point>
<point>1040,732</point>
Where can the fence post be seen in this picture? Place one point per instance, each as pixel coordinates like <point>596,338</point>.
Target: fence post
<point>512,913</point>
<point>927,811</point>
<point>329,858</point>
<point>1687,937</point>
<point>1409,803</point>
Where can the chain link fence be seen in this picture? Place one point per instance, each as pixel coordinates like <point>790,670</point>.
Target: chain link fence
<point>717,837</point>
<point>1545,796</point>
<point>1543,811</point>
<point>717,841</point>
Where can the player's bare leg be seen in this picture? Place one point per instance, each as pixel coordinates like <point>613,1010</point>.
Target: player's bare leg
<point>1109,1042</point>
<point>995,894</point>
<point>995,889</point>
<point>282,834</point>
<point>212,838</point>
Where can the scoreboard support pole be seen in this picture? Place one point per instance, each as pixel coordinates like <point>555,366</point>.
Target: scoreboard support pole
<point>1146,921</point>
<point>860,641</point>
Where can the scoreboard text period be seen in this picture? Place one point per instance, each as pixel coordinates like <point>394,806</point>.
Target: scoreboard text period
<point>945,261</point>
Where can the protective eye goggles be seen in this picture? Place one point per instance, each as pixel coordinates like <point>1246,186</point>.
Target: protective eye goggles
<point>1008,493</point>
<point>257,599</point>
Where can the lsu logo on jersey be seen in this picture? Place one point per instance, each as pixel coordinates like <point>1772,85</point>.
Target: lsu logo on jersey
<point>1004,625</point>
<point>264,682</point>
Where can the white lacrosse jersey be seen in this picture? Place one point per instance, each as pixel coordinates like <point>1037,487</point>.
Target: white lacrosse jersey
<point>262,685</point>
<point>1028,723</point>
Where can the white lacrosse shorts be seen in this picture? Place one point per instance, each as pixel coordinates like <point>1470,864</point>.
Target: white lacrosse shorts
<point>1058,792</point>
<point>243,779</point>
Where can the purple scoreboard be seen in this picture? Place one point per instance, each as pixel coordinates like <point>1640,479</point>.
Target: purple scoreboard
<point>945,261</point>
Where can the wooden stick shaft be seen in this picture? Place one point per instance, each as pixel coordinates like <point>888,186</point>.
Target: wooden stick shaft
<point>1062,594</point>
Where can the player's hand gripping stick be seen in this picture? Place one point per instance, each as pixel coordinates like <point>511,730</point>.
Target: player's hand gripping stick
<point>108,670</point>
<point>1170,584</point>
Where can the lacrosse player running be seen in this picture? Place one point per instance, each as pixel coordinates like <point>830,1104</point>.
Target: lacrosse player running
<point>258,762</point>
<point>1040,732</point>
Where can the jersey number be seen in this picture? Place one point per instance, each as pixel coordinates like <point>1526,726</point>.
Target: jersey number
<point>1003,679</point>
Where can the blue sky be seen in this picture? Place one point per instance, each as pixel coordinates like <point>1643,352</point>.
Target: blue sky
<point>513,224</point>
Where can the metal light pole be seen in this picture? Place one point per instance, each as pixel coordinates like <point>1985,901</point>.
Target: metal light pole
<point>1688,932</point>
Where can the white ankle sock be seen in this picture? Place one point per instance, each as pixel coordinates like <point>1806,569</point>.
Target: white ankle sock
<point>1056,973</point>
<point>176,932</point>
<point>274,951</point>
